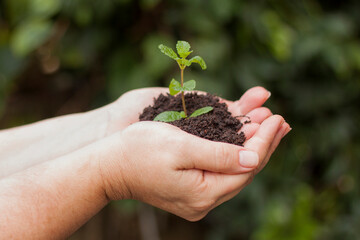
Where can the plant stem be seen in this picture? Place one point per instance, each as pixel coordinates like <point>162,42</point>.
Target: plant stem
<point>182,93</point>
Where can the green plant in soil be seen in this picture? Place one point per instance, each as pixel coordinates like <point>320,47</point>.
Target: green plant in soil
<point>175,87</point>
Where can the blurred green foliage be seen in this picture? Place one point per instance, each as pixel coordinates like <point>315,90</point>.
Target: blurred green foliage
<point>307,53</point>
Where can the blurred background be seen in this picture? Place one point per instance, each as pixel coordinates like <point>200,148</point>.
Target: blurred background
<point>64,56</point>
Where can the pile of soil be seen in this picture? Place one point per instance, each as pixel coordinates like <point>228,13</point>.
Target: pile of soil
<point>217,125</point>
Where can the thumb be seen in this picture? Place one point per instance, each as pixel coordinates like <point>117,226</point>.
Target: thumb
<point>202,154</point>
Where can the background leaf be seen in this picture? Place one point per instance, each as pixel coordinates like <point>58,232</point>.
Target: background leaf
<point>44,8</point>
<point>29,36</point>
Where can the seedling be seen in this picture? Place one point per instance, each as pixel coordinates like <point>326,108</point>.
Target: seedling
<point>175,87</point>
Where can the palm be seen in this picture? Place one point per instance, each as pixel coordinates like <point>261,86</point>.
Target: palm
<point>250,104</point>
<point>132,103</point>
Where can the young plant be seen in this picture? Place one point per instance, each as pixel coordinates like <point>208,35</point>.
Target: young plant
<point>175,87</point>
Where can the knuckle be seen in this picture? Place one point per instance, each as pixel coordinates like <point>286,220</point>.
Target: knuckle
<point>222,157</point>
<point>195,218</point>
<point>202,206</point>
<point>176,141</point>
<point>259,141</point>
<point>267,111</point>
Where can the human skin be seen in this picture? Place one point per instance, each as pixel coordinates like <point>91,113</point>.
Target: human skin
<point>153,162</point>
<point>25,146</point>
<point>197,174</point>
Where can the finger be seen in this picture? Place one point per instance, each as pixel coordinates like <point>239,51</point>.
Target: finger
<point>226,186</point>
<point>264,141</point>
<point>258,115</point>
<point>225,158</point>
<point>264,136</point>
<point>285,129</point>
<point>202,154</point>
<point>249,129</point>
<point>227,102</point>
<point>253,98</point>
<point>236,183</point>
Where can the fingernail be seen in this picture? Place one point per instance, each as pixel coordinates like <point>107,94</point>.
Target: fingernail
<point>287,131</point>
<point>269,95</point>
<point>248,159</point>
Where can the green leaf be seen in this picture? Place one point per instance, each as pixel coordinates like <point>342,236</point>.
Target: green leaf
<point>30,35</point>
<point>175,87</point>
<point>189,85</point>
<point>182,114</point>
<point>44,8</point>
<point>183,48</point>
<point>183,62</point>
<point>201,111</point>
<point>168,116</point>
<point>168,51</point>
<point>199,60</point>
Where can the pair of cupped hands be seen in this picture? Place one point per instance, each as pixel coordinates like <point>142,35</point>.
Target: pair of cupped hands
<point>166,167</point>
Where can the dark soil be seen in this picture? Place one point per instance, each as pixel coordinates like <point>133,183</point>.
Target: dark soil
<point>217,125</point>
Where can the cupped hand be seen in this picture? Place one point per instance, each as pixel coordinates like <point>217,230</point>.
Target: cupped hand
<point>126,110</point>
<point>183,174</point>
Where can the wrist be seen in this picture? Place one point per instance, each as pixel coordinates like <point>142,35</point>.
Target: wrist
<point>112,168</point>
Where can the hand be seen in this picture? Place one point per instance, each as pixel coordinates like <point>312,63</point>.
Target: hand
<point>186,175</point>
<point>126,110</point>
